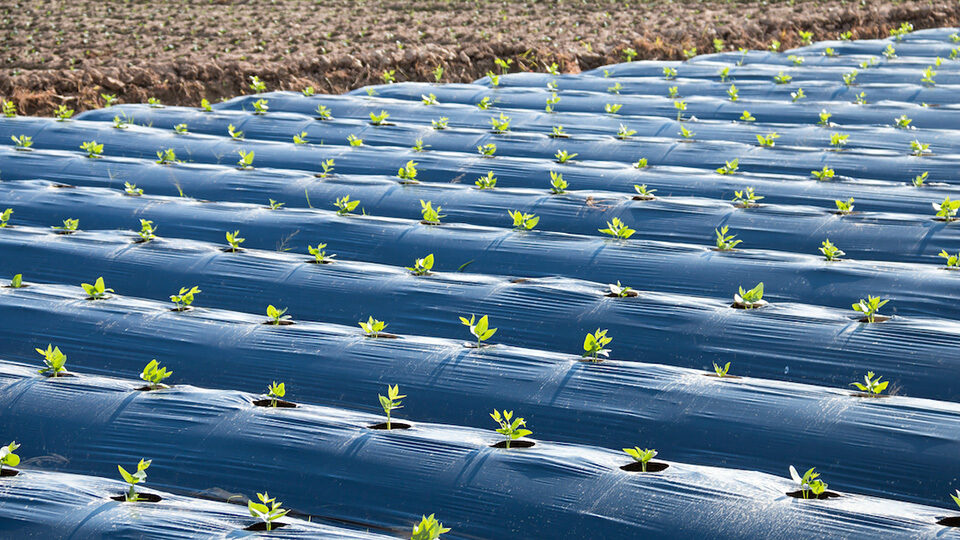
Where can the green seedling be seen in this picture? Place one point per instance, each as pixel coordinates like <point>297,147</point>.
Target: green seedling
<point>422,267</point>
<point>23,142</point>
<point>721,371</point>
<point>869,307</point>
<point>824,118</point>
<point>845,36</point>
<point>503,64</point>
<point>919,179</point>
<point>774,46</point>
<point>725,242</point>
<point>154,375</point>
<point>797,60</point>
<point>392,400</point>
<point>180,129</point>
<point>428,529</point>
<point>643,456</point>
<point>806,38</point>
<point>260,107</point>
<point>844,207</point>
<point>733,92</point>
<point>166,157</point>
<point>345,205</point>
<point>552,101</point>
<point>729,167</point>
<point>184,298</point>
<point>234,240</point>
<point>257,85</point>
<point>138,477</point>
<point>277,315</point>
<point>54,360</point>
<point>372,327</point>
<point>618,229</point>
<point>553,69</point>
<point>947,210</point>
<point>669,73</point>
<point>429,99</point>
<point>16,282</point>
<point>276,392</point>
<point>326,167</point>
<point>563,156</point>
<point>510,428</point>
<point>898,33</point>
<point>308,91</point>
<point>500,124</point>
<point>430,214</point>
<point>389,76</point>
<point>681,107</point>
<point>769,140</point>
<point>644,193</point>
<point>593,345</point>
<point>205,105</point>
<point>830,251</point>
<point>747,117</point>
<point>623,133</point>
<point>440,124</point>
<point>234,133</point>
<point>673,92</point>
<point>319,254</point>
<point>956,498</point>
<point>437,74</point>
<point>300,138</point>
<point>902,122</point>
<point>823,175</point>
<point>92,149</point>
<point>487,150</point>
<point>724,72</point>
<point>686,133</point>
<point>620,291</point>
<point>408,173</point>
<point>246,160</point>
<point>485,103</point>
<point>63,113</point>
<point>809,482</point>
<point>552,85</point>
<point>557,184</point>
<point>557,132</point>
<point>750,299</point>
<point>782,78</point>
<point>8,456</point>
<point>522,221</point>
<point>953,261</point>
<point>267,510</point>
<point>379,119</point>
<point>479,328</point>
<point>928,75</point>
<point>746,198</point>
<point>641,163</point>
<point>323,113</point>
<point>154,103</point>
<point>612,108</point>
<point>489,181</point>
<point>69,225</point>
<point>629,53</point>
<point>717,45</point>
<point>616,88</point>
<point>275,205</point>
<point>797,96</point>
<point>147,230</point>
<point>353,140</point>
<point>918,148</point>
<point>9,109</point>
<point>5,218</point>
<point>869,63</point>
<point>838,141</point>
<point>690,53</point>
<point>871,385</point>
<point>97,291</point>
<point>119,123</point>
<point>861,98</point>
<point>850,78</point>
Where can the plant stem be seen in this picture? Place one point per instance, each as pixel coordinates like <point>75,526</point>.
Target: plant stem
<point>508,444</point>
<point>643,466</point>
<point>132,495</point>
<point>268,526</point>
<point>273,402</point>
<point>388,420</point>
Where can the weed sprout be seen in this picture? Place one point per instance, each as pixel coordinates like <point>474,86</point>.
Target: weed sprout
<point>154,375</point>
<point>308,91</point>
<point>8,456</point>
<point>9,109</point>
<point>154,103</point>
<point>54,360</point>
<point>618,229</point>
<point>511,428</point>
<point>97,291</point>
<point>629,53</point>
<point>750,299</point>
<point>372,327</point>
<point>869,307</point>
<point>257,85</point>
<point>391,401</point>
<point>489,181</point>
<point>267,510</point>
<point>345,205</point>
<point>557,184</point>
<point>522,221</point>
<point>593,345</point>
<point>184,298</point>
<point>871,385</point>
<point>642,456</point>
<point>388,76</point>
<point>277,316</point>
<point>422,267</point>
<point>234,240</point>
<point>136,478</point>
<point>830,251</point>
<point>437,74</point>
<point>479,328</point>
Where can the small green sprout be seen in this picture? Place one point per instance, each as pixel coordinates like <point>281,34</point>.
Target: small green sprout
<point>553,100</point>
<point>511,429</point>
<point>733,93</point>
<point>774,46</point>
<point>428,529</point>
<point>919,179</point>
<point>953,261</point>
<point>422,267</point>
<point>388,76</point>
<point>747,117</point>
<point>430,214</point>
<point>319,254</point>
<point>618,229</point>
<point>97,291</point>
<point>928,75</point>
<point>782,78</point>
<point>276,391</point>
<point>845,36</point>
<point>844,207</point>
<point>379,119</point>
<point>487,150</point>
<point>429,99</point>
<point>345,205</point>
<point>246,160</point>
<point>769,140</point>
<point>257,85</point>
<point>23,142</point>
<point>92,149</point>
<point>5,218</point>
<point>353,140</point>
<point>850,78</point>
<point>830,251</point>
<point>746,198</point>
<point>809,482</point>
<point>500,124</point>
<point>623,133</point>
<point>644,193</point>
<point>729,167</point>
<point>553,69</point>
<point>327,167</point>
<point>956,498</point>
<point>489,181</point>
<point>440,123</point>
<point>16,282</point>
<point>620,291</point>
<point>479,328</point>
<point>308,91</point>
<point>267,510</point>
<point>154,103</point>
<point>503,64</point>
<point>593,345</point>
<point>323,113</point>
<point>154,375</point>
<point>824,118</point>
<point>277,316</point>
<point>689,53</point>
<point>235,134</point>
<point>616,88</point>
<point>184,298</point>
<point>69,225</point>
<point>557,184</point>
<point>918,148</point>
<point>750,299</point>
<point>437,74</point>
<point>300,138</point>
<point>861,98</point>
<point>724,72</point>
<point>686,133</point>
<point>797,95</point>
<point>205,105</point>
<point>485,103</point>
<point>898,33</point>
<point>612,108</point>
<point>669,73</point>
<point>392,400</point>
<point>673,92</point>
<point>629,53</point>
<point>902,121</point>
<point>136,478</point>
<point>147,230</point>
<point>552,85</point>
<point>522,221</point>
<point>9,109</point>
<point>234,240</point>
<point>641,163</point>
<point>372,327</point>
<point>823,175</point>
<point>869,63</point>
<point>838,141</point>
<point>180,129</point>
<point>806,38</point>
<point>947,210</point>
<point>8,456</point>
<point>717,45</point>
<point>721,371</point>
<point>418,145</point>
<point>165,157</point>
<point>408,173</point>
<point>54,360</point>
<point>797,60</point>
<point>869,307</point>
<point>63,113</point>
<point>260,107</point>
<point>725,242</point>
<point>871,385</point>
<point>680,106</point>
<point>557,132</point>
<point>118,123</point>
<point>643,456</point>
<point>275,205</point>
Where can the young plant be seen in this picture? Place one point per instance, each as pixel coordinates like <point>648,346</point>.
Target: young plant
<point>180,129</point>
<point>809,482</point>
<point>721,371</point>
<point>681,107</point>
<point>733,93</point>
<point>746,198</point>
<point>440,123</point>
<point>797,95</point>
<point>806,38</point>
<point>118,123</point>
<point>725,242</point>
<point>643,456</point>
<point>557,132</point>
<point>593,345</point>
<point>673,92</point>
<point>9,109</point>
<point>823,175</point>
<point>902,122</point>
<point>92,149</point>
<point>166,157</point>
<point>724,72</point>
<point>928,75</point>
<point>138,477</point>
<point>430,214</point>
<point>621,291</point>
<point>618,229</point>
<point>260,107</point>
<point>345,205</point>
<point>918,148</point>
<point>861,98</point>
<point>485,103</point>
<point>8,456</point>
<point>629,53</point>
<point>70,225</point>
<point>319,254</point>
<point>825,118</point>
<point>154,375</point>
<point>479,328</point>
<point>769,140</point>
<point>563,156</point>
<point>429,99</point>
<point>669,73</point>
<point>308,91</point>
<point>612,108</point>
<point>871,385</point>
<point>326,167</point>
<point>22,142</point>
<point>844,207</point>
<point>552,101</point>
<point>154,103</point>
<point>953,261</point>
<point>486,182</point>
<point>616,88</point>
<point>147,230</point>
<point>205,105</point>
<point>729,167</point>
<point>487,150</point>
<point>850,78</point>
<point>184,298</point>
<point>510,428</point>
<point>323,113</point>
<point>267,510</point>
<point>782,78</point>
<point>388,76</point>
<point>644,193</point>
<point>830,251</point>
<point>422,267</point>
<point>747,117</point>
<point>17,281</point>
<point>437,74</point>
<point>418,145</point>
<point>557,184</point>
<point>408,173</point>
<point>845,36</point>
<point>391,401</point>
<point>353,140</point>
<point>276,392</point>
<point>641,163</point>
<point>54,360</point>
<point>522,221</point>
<point>63,113</point>
<point>686,133</point>
<point>774,46</point>
<point>97,291</point>
<point>947,210</point>
<point>372,327</point>
<point>623,133</point>
<point>379,119</point>
<point>869,307</point>
<point>275,205</point>
<point>5,218</point>
<point>246,160</point>
<point>428,529</point>
<point>750,299</point>
<point>500,124</point>
<point>257,85</point>
<point>838,141</point>
<point>300,138</point>
<point>234,240</point>
<point>277,316</point>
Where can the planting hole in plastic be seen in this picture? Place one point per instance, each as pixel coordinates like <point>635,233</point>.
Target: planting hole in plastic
<point>513,444</point>
<point>281,404</point>
<point>7,471</point>
<point>263,526</point>
<point>952,521</point>
<point>141,497</point>
<point>278,323</point>
<point>825,495</point>
<point>629,294</point>
<point>876,319</point>
<point>393,426</point>
<point>652,467</point>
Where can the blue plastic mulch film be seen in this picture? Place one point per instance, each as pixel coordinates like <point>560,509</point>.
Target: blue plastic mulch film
<point>531,175</point>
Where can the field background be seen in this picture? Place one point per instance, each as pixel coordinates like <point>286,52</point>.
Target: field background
<point>68,53</point>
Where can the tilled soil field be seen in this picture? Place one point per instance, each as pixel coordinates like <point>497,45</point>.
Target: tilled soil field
<point>179,52</point>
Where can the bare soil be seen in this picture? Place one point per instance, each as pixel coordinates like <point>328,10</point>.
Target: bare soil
<point>57,52</point>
